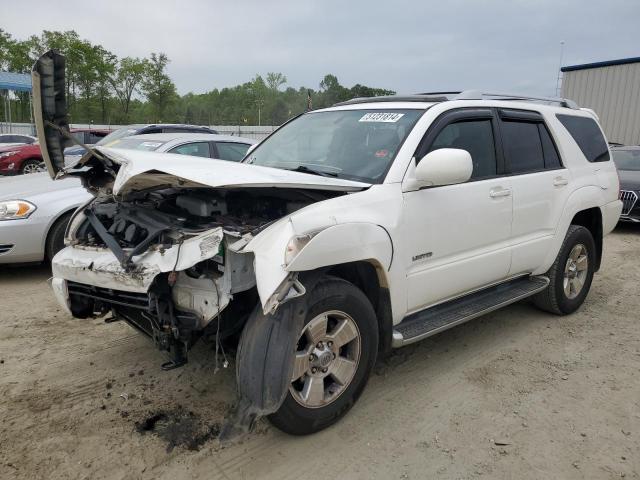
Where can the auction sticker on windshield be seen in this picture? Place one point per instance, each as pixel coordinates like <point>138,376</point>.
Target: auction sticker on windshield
<point>386,117</point>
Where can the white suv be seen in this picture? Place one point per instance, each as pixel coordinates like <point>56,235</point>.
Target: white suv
<point>350,231</point>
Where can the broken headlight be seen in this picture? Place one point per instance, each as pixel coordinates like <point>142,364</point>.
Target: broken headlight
<point>295,245</point>
<point>16,209</point>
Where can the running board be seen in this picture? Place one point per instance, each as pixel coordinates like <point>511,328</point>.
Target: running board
<point>430,321</point>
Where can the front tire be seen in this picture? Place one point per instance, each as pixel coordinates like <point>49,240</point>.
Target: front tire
<point>55,238</point>
<point>30,166</point>
<point>571,274</point>
<point>335,354</point>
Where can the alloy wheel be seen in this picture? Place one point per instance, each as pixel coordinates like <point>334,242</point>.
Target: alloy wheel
<point>326,359</point>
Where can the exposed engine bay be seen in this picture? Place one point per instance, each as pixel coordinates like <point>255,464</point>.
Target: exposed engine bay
<point>151,234</point>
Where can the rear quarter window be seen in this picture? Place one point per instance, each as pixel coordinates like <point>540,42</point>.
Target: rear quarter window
<point>587,135</point>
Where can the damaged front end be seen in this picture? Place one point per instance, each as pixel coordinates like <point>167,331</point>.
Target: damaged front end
<point>171,262</point>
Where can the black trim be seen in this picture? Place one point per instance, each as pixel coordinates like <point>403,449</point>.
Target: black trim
<point>530,116</point>
<point>520,115</point>
<point>606,63</point>
<point>458,115</point>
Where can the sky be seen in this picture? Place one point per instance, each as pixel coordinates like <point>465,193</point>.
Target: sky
<point>406,46</point>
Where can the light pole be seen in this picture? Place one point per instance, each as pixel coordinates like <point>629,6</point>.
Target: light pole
<point>259,103</point>
<point>559,69</point>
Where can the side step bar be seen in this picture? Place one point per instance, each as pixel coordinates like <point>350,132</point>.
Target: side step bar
<point>430,321</point>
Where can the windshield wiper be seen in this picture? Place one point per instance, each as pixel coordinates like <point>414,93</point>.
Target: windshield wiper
<point>312,171</point>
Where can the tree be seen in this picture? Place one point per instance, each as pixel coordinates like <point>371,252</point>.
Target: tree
<point>275,80</point>
<point>5,49</point>
<point>157,86</point>
<point>126,79</point>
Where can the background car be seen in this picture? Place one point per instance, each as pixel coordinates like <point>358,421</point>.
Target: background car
<point>76,151</point>
<point>34,210</point>
<point>27,158</point>
<point>627,160</point>
<point>13,139</point>
<point>223,147</point>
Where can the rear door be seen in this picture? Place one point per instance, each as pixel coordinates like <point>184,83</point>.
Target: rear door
<point>540,186</point>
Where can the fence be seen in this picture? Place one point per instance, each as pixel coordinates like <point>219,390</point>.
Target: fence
<point>248,131</point>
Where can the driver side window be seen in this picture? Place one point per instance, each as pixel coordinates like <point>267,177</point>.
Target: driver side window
<point>474,136</point>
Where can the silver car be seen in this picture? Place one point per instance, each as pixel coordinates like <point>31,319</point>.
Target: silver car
<point>34,210</point>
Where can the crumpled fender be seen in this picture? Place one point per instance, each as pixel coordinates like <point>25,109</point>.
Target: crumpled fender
<point>332,245</point>
<point>264,361</point>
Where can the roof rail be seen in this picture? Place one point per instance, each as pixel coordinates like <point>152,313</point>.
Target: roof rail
<point>395,98</point>
<point>457,95</point>
<point>478,95</point>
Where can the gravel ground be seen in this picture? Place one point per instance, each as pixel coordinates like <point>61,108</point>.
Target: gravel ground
<point>516,394</point>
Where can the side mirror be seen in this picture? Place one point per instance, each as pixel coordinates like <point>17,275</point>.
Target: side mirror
<point>446,166</point>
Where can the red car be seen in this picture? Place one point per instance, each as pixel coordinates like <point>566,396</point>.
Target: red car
<point>27,158</point>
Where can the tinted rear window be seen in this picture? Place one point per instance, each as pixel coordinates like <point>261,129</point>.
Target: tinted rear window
<point>522,146</point>
<point>587,134</point>
<point>551,157</point>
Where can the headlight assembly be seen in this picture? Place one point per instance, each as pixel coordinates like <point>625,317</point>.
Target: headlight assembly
<point>7,154</point>
<point>16,209</point>
<point>295,245</point>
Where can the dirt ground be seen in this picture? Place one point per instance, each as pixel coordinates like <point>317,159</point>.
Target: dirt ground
<point>515,394</point>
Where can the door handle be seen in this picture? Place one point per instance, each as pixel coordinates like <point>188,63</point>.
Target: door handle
<point>560,182</point>
<point>499,192</point>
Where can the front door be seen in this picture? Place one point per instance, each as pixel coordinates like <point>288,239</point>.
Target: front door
<point>456,237</point>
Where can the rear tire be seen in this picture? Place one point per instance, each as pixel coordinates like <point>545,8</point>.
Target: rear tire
<point>335,355</point>
<point>55,238</point>
<point>571,274</point>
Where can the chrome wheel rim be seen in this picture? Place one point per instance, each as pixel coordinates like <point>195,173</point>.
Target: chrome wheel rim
<point>575,271</point>
<point>30,168</point>
<point>326,359</point>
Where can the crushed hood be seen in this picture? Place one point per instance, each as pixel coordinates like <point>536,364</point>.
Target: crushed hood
<point>139,170</point>
<point>122,171</point>
<point>50,109</point>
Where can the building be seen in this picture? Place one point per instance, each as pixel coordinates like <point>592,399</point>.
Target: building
<point>612,90</point>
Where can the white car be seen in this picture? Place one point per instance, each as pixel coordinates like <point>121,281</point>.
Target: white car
<point>349,231</point>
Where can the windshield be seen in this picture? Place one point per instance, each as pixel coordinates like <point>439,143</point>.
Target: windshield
<point>353,144</point>
<point>116,134</point>
<point>137,143</point>
<point>627,159</point>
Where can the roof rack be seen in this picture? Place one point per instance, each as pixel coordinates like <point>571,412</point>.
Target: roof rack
<point>396,98</point>
<point>463,95</point>
<point>479,95</point>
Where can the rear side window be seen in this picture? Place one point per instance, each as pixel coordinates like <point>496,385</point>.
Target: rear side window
<point>232,151</point>
<point>196,149</point>
<point>522,146</point>
<point>474,136</point>
<point>551,157</point>
<point>587,135</point>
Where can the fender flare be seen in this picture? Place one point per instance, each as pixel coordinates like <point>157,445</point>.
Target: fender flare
<point>583,198</point>
<point>346,242</point>
<point>333,245</point>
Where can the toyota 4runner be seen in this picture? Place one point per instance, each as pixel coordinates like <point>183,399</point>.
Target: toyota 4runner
<point>350,231</point>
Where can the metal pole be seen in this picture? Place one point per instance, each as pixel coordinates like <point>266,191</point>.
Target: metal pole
<point>559,69</point>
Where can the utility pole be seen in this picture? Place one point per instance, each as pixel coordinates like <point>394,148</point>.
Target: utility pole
<point>259,103</point>
<point>559,77</point>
